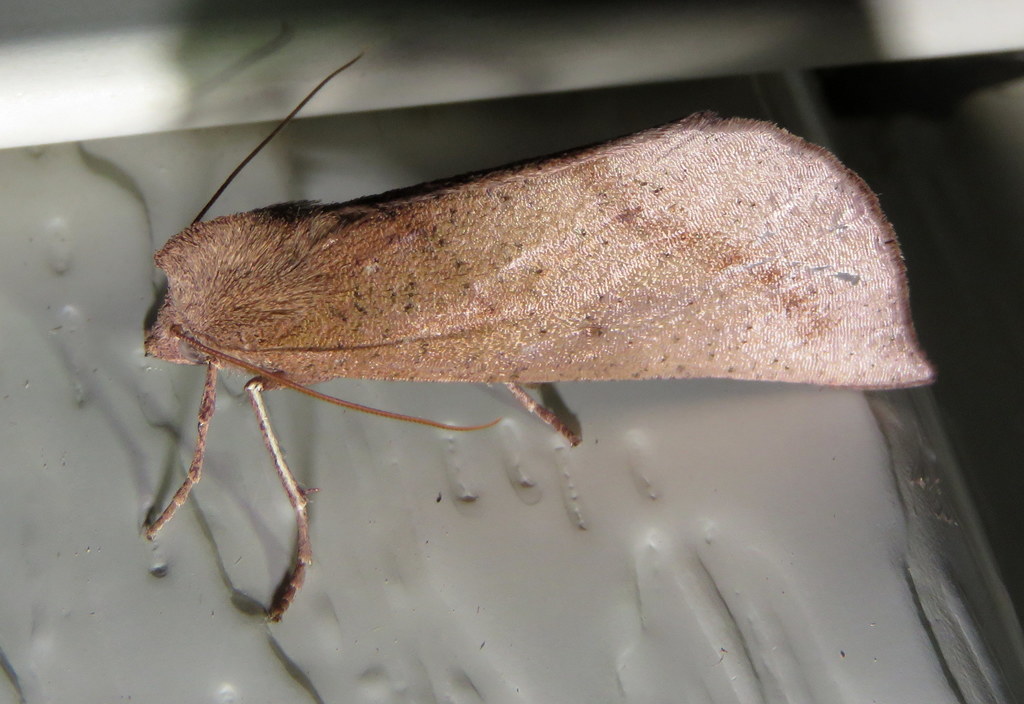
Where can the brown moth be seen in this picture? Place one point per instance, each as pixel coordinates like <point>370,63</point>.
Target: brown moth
<point>707,247</point>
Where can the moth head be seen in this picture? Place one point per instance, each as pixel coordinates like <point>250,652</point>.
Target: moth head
<point>164,341</point>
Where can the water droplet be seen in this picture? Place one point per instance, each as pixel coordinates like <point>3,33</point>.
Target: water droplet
<point>453,463</point>
<point>158,566</point>
<point>639,461</point>
<point>227,694</point>
<point>570,495</point>
<point>511,445</point>
<point>70,318</point>
<point>58,245</point>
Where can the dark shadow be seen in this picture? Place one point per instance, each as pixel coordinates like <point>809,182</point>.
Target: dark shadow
<point>941,143</point>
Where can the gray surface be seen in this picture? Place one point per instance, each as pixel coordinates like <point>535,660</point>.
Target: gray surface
<point>711,541</point>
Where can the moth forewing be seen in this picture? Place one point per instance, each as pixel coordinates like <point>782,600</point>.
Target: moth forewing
<point>708,247</point>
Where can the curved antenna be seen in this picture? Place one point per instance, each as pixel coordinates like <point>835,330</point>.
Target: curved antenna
<point>266,140</point>
<point>285,381</point>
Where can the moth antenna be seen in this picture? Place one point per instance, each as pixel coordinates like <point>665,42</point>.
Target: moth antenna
<point>266,140</point>
<point>285,381</point>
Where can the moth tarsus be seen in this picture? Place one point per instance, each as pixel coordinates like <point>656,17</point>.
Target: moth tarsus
<point>544,413</point>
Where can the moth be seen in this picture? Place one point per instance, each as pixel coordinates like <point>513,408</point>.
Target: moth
<point>707,247</point>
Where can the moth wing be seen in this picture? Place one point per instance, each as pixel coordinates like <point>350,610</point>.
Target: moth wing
<point>707,247</point>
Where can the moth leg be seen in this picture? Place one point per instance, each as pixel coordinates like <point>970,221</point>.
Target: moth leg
<point>296,495</point>
<point>544,413</point>
<point>195,470</point>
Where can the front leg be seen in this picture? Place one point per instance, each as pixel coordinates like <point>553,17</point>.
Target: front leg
<point>195,471</point>
<point>292,582</point>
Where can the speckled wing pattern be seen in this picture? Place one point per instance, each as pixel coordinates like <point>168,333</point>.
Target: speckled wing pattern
<point>704,248</point>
